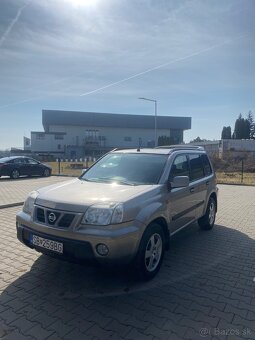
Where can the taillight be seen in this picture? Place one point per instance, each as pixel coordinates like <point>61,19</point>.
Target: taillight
<point>2,164</point>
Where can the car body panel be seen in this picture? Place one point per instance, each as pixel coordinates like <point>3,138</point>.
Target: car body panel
<point>21,163</point>
<point>142,204</point>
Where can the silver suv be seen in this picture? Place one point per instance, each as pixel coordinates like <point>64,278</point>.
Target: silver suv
<point>123,209</point>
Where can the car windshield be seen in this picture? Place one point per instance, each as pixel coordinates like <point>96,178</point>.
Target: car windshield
<point>127,168</point>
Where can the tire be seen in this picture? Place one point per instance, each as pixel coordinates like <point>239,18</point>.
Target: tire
<point>148,260</point>
<point>15,174</point>
<point>207,221</point>
<point>46,173</point>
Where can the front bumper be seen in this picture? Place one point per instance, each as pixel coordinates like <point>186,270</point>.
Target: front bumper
<point>122,240</point>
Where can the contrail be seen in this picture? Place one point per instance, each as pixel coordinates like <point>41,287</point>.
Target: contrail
<point>10,27</point>
<point>162,65</point>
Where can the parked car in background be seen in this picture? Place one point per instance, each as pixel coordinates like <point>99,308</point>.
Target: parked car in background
<point>124,208</point>
<point>23,166</point>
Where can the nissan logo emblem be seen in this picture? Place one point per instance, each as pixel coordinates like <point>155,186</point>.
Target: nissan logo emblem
<point>52,217</point>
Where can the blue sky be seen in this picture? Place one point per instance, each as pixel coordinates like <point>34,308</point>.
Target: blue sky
<point>195,57</point>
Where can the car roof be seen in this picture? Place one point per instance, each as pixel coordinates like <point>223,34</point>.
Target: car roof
<point>9,158</point>
<point>161,150</point>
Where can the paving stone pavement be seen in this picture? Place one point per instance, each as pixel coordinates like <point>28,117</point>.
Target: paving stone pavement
<point>205,288</point>
<point>15,191</point>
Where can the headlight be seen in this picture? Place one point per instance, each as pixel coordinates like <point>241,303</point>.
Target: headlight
<point>103,214</point>
<point>29,203</point>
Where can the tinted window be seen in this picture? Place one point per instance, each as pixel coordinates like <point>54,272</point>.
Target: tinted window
<point>127,168</point>
<point>207,165</point>
<point>32,161</point>
<point>180,167</point>
<point>196,167</point>
<point>19,161</point>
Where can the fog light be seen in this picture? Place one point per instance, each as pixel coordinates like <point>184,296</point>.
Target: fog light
<point>102,249</point>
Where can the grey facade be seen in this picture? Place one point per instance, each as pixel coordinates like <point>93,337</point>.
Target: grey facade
<point>74,134</point>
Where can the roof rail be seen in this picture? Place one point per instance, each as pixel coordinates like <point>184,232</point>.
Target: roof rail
<point>181,147</point>
<point>118,149</point>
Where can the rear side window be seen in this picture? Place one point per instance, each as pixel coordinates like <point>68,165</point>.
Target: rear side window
<point>31,161</point>
<point>196,167</point>
<point>19,161</point>
<point>180,167</point>
<point>207,165</point>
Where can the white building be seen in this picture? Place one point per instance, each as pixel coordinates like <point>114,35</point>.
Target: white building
<point>73,134</point>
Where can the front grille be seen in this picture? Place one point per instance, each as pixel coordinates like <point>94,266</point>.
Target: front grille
<point>66,220</point>
<point>54,218</point>
<point>40,215</point>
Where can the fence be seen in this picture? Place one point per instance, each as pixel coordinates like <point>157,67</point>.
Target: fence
<point>235,169</point>
<point>71,167</point>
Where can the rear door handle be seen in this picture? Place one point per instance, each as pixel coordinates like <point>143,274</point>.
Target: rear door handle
<point>192,189</point>
<point>207,183</point>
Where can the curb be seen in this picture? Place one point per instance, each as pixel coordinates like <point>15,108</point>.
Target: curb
<point>11,205</point>
<point>237,184</point>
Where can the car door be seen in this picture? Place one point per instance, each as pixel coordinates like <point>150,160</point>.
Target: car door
<point>34,167</point>
<point>180,201</point>
<point>198,182</point>
<point>21,165</point>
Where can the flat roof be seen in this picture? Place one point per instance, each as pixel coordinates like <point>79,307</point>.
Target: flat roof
<point>115,120</point>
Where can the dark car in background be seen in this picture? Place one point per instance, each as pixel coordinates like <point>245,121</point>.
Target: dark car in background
<point>23,166</point>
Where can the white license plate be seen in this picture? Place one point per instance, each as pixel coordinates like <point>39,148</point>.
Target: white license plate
<point>47,244</point>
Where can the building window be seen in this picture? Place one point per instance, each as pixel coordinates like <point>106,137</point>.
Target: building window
<point>128,139</point>
<point>59,137</point>
<point>59,146</point>
<point>40,136</point>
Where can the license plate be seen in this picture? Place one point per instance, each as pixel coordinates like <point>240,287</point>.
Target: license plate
<point>47,244</point>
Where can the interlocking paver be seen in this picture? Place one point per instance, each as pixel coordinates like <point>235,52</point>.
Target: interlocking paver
<point>15,191</point>
<point>206,281</point>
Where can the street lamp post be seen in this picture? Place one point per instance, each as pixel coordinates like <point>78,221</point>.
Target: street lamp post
<point>155,122</point>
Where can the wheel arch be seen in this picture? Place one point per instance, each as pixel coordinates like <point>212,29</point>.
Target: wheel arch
<point>163,223</point>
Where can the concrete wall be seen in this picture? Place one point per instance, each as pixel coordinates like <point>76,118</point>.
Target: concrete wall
<point>238,145</point>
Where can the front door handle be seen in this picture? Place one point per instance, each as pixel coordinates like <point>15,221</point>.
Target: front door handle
<point>192,189</point>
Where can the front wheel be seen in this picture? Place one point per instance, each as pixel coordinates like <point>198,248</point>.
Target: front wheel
<point>207,221</point>
<point>151,252</point>
<point>15,174</point>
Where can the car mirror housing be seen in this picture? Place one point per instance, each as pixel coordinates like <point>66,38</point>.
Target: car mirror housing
<point>179,182</point>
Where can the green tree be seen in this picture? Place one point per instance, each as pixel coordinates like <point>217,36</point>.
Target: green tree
<point>226,132</point>
<point>164,140</point>
<point>242,128</point>
<point>250,119</point>
<point>198,140</point>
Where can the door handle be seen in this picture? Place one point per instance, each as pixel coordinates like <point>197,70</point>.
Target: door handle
<point>192,189</point>
<point>207,183</point>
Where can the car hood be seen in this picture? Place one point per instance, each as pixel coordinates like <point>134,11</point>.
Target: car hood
<point>77,195</point>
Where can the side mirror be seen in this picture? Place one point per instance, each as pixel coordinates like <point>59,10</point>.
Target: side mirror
<point>179,182</point>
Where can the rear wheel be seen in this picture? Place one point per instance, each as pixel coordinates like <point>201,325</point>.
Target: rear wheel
<point>151,252</point>
<point>15,174</point>
<point>207,221</point>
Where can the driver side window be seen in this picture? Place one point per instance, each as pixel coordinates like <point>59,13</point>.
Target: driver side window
<point>179,167</point>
